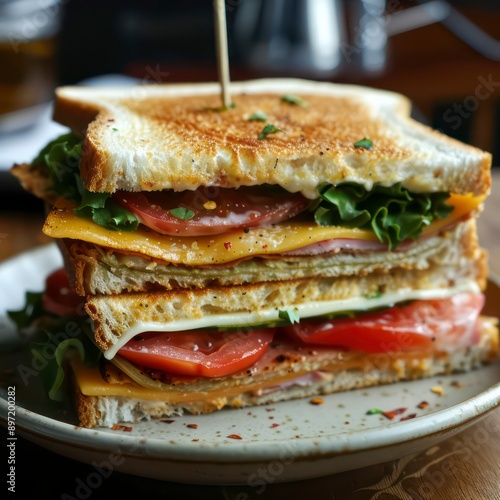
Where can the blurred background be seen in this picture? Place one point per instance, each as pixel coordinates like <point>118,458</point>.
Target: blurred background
<point>445,56</point>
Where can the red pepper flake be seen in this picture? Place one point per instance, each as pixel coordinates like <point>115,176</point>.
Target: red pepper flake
<point>457,384</point>
<point>274,425</point>
<point>317,401</point>
<point>167,421</point>
<point>408,417</point>
<point>124,428</point>
<point>228,245</point>
<point>192,426</point>
<point>391,414</point>
<point>264,246</point>
<point>423,405</point>
<point>234,436</point>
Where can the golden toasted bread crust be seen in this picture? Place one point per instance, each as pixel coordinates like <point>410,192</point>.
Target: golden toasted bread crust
<point>171,137</point>
<point>99,270</point>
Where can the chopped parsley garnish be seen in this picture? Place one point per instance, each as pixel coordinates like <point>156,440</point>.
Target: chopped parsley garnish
<point>364,143</point>
<point>374,411</point>
<point>182,213</point>
<point>293,99</point>
<point>289,315</point>
<point>260,116</point>
<point>268,129</point>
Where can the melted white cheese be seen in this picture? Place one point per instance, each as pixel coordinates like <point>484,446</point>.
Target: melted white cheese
<point>306,310</point>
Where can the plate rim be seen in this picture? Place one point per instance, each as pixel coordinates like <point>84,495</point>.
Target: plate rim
<point>467,412</point>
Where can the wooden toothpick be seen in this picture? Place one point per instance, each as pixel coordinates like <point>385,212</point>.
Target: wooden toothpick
<point>222,51</point>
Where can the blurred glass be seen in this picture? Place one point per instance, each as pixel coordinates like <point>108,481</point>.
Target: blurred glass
<point>28,30</point>
<point>297,37</point>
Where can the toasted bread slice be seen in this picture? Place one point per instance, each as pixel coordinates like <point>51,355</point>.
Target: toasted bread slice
<point>99,270</point>
<point>115,316</point>
<point>159,137</point>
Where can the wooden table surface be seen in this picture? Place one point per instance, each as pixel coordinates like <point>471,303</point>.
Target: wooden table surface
<point>464,467</point>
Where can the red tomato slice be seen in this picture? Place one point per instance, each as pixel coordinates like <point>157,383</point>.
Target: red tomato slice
<point>422,325</point>
<point>209,354</point>
<point>59,298</point>
<point>216,210</point>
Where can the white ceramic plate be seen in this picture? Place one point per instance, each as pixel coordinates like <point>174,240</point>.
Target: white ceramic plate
<point>287,441</point>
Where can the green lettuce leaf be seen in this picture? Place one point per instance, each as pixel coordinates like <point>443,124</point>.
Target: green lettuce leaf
<point>101,208</point>
<point>61,157</point>
<point>51,343</point>
<point>56,391</point>
<point>32,310</point>
<point>52,349</point>
<point>393,213</point>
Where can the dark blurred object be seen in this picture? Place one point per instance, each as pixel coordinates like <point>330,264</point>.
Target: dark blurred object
<point>14,197</point>
<point>290,37</point>
<point>113,36</point>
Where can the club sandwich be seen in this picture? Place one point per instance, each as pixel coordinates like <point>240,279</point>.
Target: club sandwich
<point>309,239</point>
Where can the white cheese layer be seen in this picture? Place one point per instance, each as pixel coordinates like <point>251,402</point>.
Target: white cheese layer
<point>306,310</point>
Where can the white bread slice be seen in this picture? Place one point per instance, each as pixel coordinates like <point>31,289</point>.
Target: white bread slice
<point>98,270</point>
<point>366,371</point>
<point>158,137</point>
